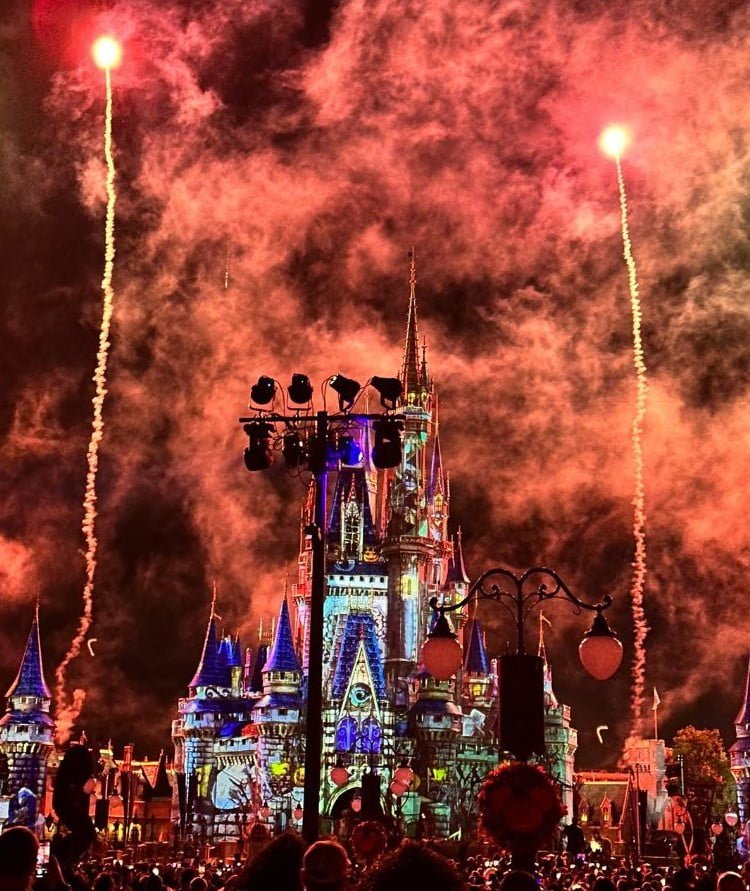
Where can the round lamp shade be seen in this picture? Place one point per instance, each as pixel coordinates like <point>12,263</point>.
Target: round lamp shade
<point>716,828</point>
<point>356,805</point>
<point>397,789</point>
<point>297,813</point>
<point>442,656</point>
<point>404,775</point>
<point>339,775</point>
<point>731,819</point>
<point>600,651</point>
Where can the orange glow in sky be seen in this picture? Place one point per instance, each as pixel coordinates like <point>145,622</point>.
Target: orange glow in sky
<point>107,52</point>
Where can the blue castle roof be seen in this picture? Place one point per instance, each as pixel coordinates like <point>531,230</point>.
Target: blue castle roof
<point>229,651</point>
<point>476,661</point>
<point>359,626</point>
<point>30,678</point>
<point>283,656</point>
<point>213,668</point>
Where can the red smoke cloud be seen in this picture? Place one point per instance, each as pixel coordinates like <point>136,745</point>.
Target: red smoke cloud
<point>318,154</point>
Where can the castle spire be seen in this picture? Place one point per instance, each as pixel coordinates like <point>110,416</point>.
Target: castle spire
<point>30,678</point>
<point>410,368</point>
<point>476,661</point>
<point>211,671</point>
<point>456,567</point>
<point>743,716</point>
<point>550,700</point>
<point>282,655</point>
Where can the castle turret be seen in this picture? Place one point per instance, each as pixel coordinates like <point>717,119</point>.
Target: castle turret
<point>277,717</point>
<point>739,753</point>
<point>477,676</point>
<point>560,738</point>
<point>210,699</point>
<point>26,736</point>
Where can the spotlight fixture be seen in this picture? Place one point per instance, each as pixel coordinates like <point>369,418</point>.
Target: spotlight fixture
<point>350,452</point>
<point>300,390</point>
<point>263,392</point>
<point>293,449</point>
<point>387,449</point>
<point>390,390</point>
<point>347,389</point>
<point>258,454</point>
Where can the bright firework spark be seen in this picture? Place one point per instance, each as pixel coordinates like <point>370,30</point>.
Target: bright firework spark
<point>613,142</point>
<point>107,53</point>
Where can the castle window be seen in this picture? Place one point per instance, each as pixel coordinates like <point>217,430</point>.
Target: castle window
<point>371,736</point>
<point>346,734</point>
<point>351,530</point>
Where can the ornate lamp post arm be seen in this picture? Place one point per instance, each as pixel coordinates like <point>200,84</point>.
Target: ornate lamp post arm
<point>600,651</point>
<point>510,592</point>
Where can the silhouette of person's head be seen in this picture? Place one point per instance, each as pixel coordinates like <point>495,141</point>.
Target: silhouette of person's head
<point>18,851</point>
<point>411,866</point>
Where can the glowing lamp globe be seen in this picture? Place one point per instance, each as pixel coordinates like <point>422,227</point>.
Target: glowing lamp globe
<point>297,813</point>
<point>107,52</point>
<point>397,789</point>
<point>600,651</point>
<point>731,819</point>
<point>339,775</point>
<point>614,140</point>
<point>716,828</point>
<point>442,654</point>
<point>356,805</point>
<point>404,775</point>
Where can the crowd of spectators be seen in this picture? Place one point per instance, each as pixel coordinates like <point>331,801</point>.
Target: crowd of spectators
<point>287,864</point>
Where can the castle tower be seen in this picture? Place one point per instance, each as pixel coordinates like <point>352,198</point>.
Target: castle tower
<point>413,549</point>
<point>277,716</point>
<point>201,713</point>
<point>560,738</point>
<point>476,692</point>
<point>435,721</point>
<point>26,736</point>
<point>739,753</point>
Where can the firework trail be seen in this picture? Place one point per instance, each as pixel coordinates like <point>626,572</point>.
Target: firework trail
<point>106,54</point>
<point>614,140</point>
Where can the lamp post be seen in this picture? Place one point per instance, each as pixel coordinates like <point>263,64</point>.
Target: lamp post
<point>521,675</point>
<point>306,440</point>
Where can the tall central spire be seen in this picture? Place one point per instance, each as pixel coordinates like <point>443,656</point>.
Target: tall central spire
<point>410,370</point>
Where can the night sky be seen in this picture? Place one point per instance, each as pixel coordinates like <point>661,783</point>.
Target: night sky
<point>315,144</point>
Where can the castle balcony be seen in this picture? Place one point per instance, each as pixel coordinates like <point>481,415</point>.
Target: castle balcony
<point>235,745</point>
<point>273,729</point>
<point>412,544</point>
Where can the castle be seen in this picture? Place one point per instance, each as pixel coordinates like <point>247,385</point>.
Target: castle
<point>426,745</point>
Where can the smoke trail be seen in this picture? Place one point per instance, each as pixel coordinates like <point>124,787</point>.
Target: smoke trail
<point>67,712</point>
<point>638,581</point>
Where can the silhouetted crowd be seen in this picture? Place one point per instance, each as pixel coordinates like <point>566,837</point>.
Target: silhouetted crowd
<point>288,864</point>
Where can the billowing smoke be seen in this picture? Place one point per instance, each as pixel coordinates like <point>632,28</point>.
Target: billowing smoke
<point>318,149</point>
